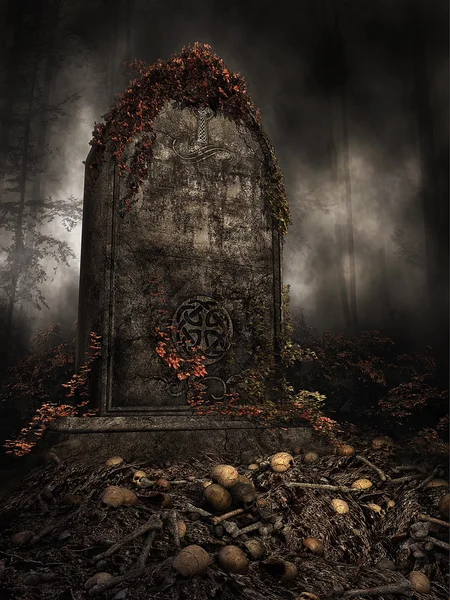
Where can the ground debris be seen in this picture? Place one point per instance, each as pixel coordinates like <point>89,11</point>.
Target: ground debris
<point>73,535</point>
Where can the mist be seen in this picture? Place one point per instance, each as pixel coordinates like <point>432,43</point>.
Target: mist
<point>285,51</point>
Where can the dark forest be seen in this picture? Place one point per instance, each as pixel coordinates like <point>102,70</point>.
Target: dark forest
<point>354,97</point>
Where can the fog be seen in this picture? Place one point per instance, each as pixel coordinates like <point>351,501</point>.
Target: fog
<point>284,51</point>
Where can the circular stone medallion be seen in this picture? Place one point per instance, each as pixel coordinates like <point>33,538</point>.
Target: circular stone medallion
<point>202,322</point>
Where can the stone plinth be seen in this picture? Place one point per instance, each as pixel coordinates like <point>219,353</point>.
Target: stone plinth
<point>170,438</point>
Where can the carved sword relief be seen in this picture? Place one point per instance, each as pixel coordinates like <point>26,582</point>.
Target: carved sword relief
<point>202,149</point>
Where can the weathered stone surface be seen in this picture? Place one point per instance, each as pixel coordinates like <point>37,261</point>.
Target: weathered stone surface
<point>169,438</point>
<point>201,227</point>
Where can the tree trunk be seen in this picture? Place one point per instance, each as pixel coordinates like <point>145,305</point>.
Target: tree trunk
<point>43,133</point>
<point>15,14</point>
<point>349,211</point>
<point>112,53</point>
<point>43,124</point>
<point>433,199</point>
<point>338,228</point>
<point>129,7</point>
<point>19,229</point>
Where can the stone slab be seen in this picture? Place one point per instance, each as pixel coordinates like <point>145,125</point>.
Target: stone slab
<point>159,439</point>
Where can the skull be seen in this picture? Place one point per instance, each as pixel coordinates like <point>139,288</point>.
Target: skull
<point>138,476</point>
<point>383,442</point>
<point>376,508</point>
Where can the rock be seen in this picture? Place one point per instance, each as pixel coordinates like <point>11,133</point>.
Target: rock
<point>49,576</point>
<point>97,579</point>
<point>386,564</point>
<point>64,535</point>
<point>22,538</point>
<point>219,531</point>
<point>32,579</point>
<point>121,594</point>
<point>255,548</point>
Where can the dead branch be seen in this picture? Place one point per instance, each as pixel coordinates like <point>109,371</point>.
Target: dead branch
<point>145,483</point>
<point>194,509</point>
<point>423,483</point>
<point>409,468</point>
<point>403,479</point>
<point>400,587</point>
<point>382,475</point>
<point>249,528</point>
<point>233,513</point>
<point>146,549</point>
<point>424,517</point>
<point>44,532</point>
<point>436,542</point>
<point>173,526</point>
<point>153,523</point>
<point>322,486</point>
<point>103,587</point>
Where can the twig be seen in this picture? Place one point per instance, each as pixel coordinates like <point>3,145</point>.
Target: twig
<point>173,522</point>
<point>403,479</point>
<point>391,588</point>
<point>407,468</point>
<point>436,542</point>
<point>146,549</point>
<point>153,523</point>
<point>424,517</point>
<point>103,587</point>
<point>322,486</point>
<point>110,471</point>
<point>194,509</point>
<point>233,513</point>
<point>361,562</point>
<point>144,482</point>
<point>367,462</point>
<point>248,529</point>
<point>34,562</point>
<point>44,532</point>
<point>423,483</point>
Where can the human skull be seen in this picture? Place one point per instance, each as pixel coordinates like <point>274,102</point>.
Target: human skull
<point>383,442</point>
<point>138,476</point>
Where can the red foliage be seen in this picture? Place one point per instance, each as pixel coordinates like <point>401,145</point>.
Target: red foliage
<point>391,388</point>
<point>195,77</point>
<point>46,363</point>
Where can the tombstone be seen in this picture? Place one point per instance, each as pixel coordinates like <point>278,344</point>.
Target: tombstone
<point>199,230</point>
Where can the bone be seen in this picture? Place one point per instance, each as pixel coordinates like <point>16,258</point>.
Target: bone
<point>400,587</point>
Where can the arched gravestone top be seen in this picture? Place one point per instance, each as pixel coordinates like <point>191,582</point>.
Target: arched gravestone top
<point>192,214</point>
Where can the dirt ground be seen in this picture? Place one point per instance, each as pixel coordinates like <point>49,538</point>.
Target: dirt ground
<point>58,529</point>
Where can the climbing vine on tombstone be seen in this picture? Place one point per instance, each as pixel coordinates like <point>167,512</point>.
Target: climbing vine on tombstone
<point>192,367</point>
<point>193,78</point>
<point>250,398</point>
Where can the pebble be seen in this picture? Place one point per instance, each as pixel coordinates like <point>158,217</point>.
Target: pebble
<point>64,535</point>
<point>120,594</point>
<point>219,531</point>
<point>32,579</point>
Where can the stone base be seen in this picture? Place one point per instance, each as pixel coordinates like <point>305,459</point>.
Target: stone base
<point>159,439</point>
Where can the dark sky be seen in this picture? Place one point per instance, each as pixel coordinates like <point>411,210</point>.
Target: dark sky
<point>297,72</point>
